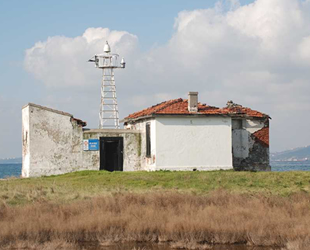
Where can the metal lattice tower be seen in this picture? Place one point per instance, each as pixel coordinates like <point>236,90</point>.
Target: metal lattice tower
<point>108,115</point>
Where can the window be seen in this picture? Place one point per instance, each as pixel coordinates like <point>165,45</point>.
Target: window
<point>148,139</point>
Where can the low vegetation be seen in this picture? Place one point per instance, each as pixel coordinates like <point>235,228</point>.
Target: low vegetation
<point>87,184</point>
<point>183,209</point>
<point>182,220</point>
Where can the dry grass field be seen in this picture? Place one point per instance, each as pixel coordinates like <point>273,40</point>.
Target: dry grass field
<point>187,220</point>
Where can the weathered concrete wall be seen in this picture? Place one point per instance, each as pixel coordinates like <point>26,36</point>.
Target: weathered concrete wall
<point>147,163</point>
<point>250,140</point>
<point>131,151</point>
<point>51,142</point>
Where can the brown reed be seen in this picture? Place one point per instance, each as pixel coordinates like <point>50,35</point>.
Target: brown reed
<point>180,219</point>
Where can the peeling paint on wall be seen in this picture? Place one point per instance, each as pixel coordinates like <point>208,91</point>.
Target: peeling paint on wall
<point>251,145</point>
<point>52,143</point>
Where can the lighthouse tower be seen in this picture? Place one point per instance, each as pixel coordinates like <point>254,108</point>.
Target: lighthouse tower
<point>108,114</point>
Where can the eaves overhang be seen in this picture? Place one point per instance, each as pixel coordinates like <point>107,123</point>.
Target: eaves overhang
<point>196,114</point>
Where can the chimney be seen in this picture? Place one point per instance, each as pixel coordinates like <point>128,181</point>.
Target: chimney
<point>192,101</point>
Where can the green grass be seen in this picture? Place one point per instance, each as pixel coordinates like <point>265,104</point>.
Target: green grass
<point>86,184</point>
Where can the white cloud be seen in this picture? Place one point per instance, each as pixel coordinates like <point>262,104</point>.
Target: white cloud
<point>61,61</point>
<point>257,55</point>
<point>304,50</point>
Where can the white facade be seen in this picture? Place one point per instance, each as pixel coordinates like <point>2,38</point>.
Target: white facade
<point>188,143</point>
<point>185,143</point>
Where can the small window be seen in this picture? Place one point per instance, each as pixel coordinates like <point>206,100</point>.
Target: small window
<point>148,140</point>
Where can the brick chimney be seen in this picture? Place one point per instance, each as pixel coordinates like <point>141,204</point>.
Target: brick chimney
<point>192,101</point>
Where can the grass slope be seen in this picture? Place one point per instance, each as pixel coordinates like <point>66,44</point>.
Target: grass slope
<point>87,184</point>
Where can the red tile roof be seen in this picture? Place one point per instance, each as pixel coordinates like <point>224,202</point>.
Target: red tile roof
<point>239,110</point>
<point>180,107</point>
<point>262,136</point>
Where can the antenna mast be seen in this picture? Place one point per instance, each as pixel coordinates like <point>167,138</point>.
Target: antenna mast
<point>108,115</point>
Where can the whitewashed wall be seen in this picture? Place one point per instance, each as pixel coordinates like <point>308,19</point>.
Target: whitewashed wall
<point>54,142</point>
<point>187,143</point>
<point>26,142</point>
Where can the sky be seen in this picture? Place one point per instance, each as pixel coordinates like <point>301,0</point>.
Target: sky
<point>254,52</point>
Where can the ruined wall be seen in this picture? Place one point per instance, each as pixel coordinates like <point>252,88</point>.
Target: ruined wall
<point>131,151</point>
<point>51,142</point>
<point>250,141</point>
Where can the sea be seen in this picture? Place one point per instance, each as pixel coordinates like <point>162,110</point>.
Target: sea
<point>10,170</point>
<point>14,169</point>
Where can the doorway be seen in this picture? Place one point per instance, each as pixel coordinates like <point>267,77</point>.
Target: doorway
<point>111,153</point>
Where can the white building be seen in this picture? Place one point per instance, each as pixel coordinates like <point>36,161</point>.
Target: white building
<point>186,135</point>
<point>174,135</point>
